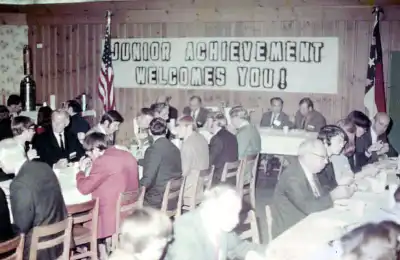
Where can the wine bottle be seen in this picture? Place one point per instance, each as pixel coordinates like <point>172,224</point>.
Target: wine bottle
<point>28,84</point>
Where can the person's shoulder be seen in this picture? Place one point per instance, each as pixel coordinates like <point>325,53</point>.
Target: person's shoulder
<point>267,113</point>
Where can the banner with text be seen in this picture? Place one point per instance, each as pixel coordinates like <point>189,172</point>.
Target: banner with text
<point>261,64</point>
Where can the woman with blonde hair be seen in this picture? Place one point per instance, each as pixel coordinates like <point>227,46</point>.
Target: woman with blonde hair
<point>144,235</point>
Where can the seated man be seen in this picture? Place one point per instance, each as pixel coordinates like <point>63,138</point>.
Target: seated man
<point>223,146</point>
<point>207,231</point>
<point>109,124</point>
<point>78,125</point>
<point>196,111</point>
<point>374,142</point>
<point>194,156</point>
<point>308,118</point>
<point>248,137</point>
<point>298,192</point>
<point>275,118</point>
<point>161,163</point>
<point>334,139</point>
<point>141,127</point>
<point>35,195</point>
<point>56,146</point>
<point>112,172</point>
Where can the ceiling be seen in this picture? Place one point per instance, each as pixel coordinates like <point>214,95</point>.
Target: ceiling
<point>30,2</point>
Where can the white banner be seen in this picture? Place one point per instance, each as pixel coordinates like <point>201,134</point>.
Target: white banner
<point>263,64</point>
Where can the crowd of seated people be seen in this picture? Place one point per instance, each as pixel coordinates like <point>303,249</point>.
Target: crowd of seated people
<point>322,172</point>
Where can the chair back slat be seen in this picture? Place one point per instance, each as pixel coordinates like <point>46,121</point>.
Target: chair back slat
<point>54,235</point>
<point>269,219</point>
<point>230,170</point>
<point>127,202</point>
<point>87,208</point>
<point>208,176</point>
<point>17,244</point>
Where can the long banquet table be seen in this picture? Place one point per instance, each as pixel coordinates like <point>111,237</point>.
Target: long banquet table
<point>313,232</point>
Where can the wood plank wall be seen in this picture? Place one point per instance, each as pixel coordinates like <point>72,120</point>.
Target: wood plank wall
<point>68,63</point>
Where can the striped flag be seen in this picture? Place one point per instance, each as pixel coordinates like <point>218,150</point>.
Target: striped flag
<point>106,78</point>
<point>375,98</point>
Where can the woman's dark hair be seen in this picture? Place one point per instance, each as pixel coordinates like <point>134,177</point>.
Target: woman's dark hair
<point>111,116</point>
<point>95,140</point>
<point>327,132</point>
<point>359,119</point>
<point>4,113</point>
<point>44,117</point>
<point>158,126</point>
<point>21,123</point>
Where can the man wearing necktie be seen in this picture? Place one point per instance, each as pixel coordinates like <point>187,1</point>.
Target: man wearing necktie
<point>276,118</point>
<point>57,146</point>
<point>196,111</point>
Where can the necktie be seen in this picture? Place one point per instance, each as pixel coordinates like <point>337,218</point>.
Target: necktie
<point>62,143</point>
<point>303,123</point>
<point>193,114</point>
<point>317,185</point>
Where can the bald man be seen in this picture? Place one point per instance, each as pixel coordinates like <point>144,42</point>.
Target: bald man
<point>57,146</point>
<point>298,192</point>
<point>374,142</point>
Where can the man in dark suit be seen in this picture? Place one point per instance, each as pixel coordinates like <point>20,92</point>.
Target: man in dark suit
<point>77,124</point>
<point>35,195</point>
<point>374,142</point>
<point>57,146</point>
<point>275,118</point>
<point>308,118</point>
<point>196,111</point>
<point>223,146</point>
<point>298,192</point>
<point>161,163</point>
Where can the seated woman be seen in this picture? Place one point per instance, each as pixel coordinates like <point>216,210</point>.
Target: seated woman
<point>144,235</point>
<point>23,130</point>
<point>112,171</point>
<point>372,241</point>
<point>43,119</point>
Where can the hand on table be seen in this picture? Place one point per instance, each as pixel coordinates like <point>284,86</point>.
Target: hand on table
<point>32,153</point>
<point>343,192</point>
<point>61,164</point>
<point>375,147</point>
<point>84,163</point>
<point>384,149</point>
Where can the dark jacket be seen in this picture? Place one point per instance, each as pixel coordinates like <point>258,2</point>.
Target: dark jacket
<point>362,144</point>
<point>201,116</point>
<point>223,148</point>
<point>78,124</point>
<point>294,199</point>
<point>161,163</point>
<point>6,230</point>
<point>36,200</point>
<point>327,178</point>
<point>279,123</point>
<point>313,122</point>
<point>50,152</point>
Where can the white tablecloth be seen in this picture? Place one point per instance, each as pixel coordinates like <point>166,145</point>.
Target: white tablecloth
<point>275,141</point>
<point>312,233</point>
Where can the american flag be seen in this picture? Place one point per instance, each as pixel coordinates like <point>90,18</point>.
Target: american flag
<point>375,98</point>
<point>106,78</point>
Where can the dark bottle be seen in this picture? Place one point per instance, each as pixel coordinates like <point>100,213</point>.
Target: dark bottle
<point>28,85</point>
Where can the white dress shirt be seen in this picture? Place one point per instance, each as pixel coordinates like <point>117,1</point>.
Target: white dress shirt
<point>374,136</point>
<point>195,113</point>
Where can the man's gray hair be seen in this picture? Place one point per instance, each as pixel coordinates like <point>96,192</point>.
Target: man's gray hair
<point>239,111</point>
<point>308,146</point>
<point>11,151</point>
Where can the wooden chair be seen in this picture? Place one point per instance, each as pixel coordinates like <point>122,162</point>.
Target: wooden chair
<point>16,244</point>
<point>209,178</point>
<point>248,163</point>
<point>253,231</point>
<point>127,202</point>
<point>85,213</point>
<point>60,234</point>
<point>204,180</point>
<point>269,222</point>
<point>230,171</point>
<point>173,192</point>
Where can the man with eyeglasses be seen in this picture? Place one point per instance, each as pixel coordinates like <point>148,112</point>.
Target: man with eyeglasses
<point>298,192</point>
